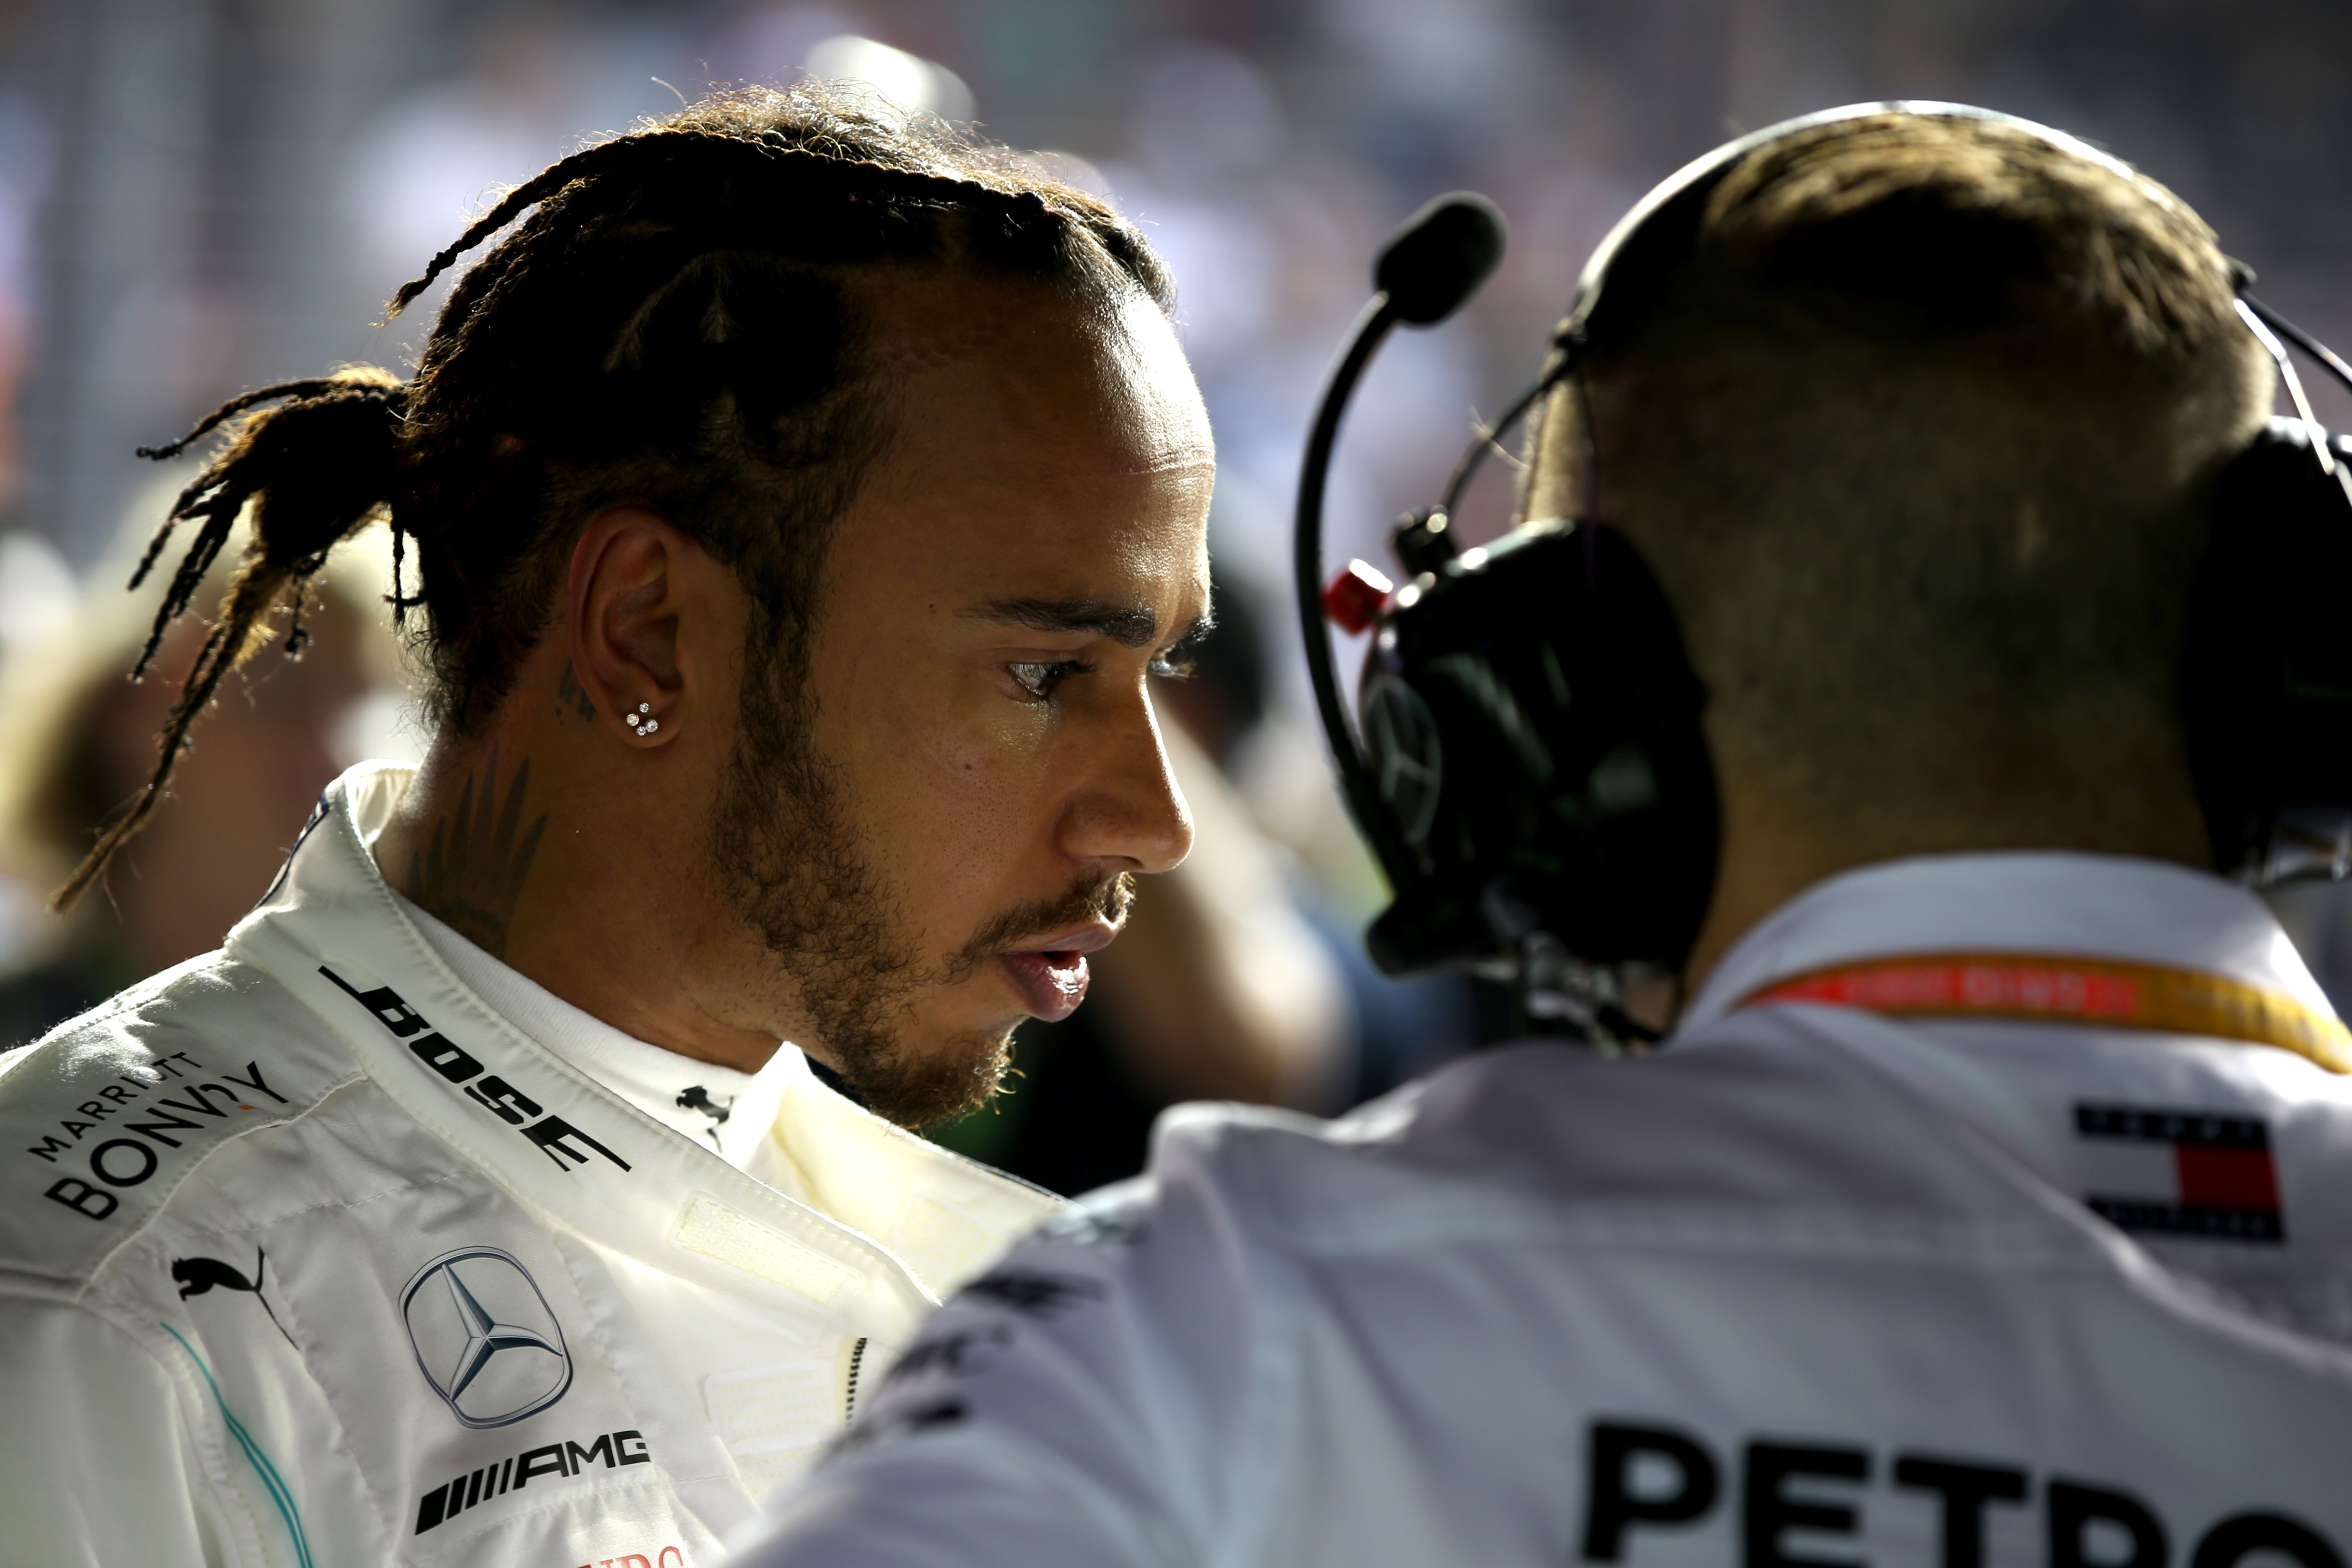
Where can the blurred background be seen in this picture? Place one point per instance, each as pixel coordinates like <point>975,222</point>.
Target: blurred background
<point>200,197</point>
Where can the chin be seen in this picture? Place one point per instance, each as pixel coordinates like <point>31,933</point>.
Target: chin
<point>951,1072</point>
<point>979,1014</point>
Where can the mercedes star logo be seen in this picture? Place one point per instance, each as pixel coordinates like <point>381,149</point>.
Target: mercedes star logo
<point>1407,763</point>
<point>485,1336</point>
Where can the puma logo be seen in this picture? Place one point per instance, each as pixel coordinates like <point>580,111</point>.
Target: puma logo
<point>198,1276</point>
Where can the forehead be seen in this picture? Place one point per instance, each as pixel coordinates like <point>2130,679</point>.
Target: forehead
<point>1041,445</point>
<point>1099,381</point>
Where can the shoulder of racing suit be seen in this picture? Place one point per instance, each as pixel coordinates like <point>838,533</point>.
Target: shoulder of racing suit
<point>104,1119</point>
<point>1751,1125</point>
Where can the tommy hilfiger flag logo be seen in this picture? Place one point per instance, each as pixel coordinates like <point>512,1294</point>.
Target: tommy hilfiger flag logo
<point>2179,1172</point>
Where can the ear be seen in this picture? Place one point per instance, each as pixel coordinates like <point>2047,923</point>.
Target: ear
<point>626,594</point>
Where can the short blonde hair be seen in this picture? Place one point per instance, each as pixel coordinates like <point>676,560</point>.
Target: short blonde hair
<point>1923,426</point>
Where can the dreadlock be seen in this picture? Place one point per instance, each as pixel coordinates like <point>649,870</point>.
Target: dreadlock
<point>316,471</point>
<point>676,320</point>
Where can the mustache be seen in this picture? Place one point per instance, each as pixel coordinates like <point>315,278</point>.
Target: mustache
<point>1100,897</point>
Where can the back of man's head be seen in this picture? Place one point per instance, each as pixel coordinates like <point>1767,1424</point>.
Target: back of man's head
<point>1918,435</point>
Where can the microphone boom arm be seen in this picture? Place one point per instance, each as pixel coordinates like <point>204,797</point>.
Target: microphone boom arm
<point>1379,317</point>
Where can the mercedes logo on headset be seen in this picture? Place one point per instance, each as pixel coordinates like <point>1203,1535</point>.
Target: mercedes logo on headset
<point>484,1337</point>
<point>1407,764</point>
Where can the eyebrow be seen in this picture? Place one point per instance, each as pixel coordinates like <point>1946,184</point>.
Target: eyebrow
<point>1130,626</point>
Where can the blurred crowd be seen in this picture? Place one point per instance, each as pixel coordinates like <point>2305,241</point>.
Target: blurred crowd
<point>202,195</point>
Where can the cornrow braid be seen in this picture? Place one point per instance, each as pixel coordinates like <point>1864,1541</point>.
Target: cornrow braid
<point>666,143</point>
<point>315,469</point>
<point>674,318</point>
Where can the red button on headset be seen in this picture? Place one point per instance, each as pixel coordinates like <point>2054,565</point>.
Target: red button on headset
<point>1354,598</point>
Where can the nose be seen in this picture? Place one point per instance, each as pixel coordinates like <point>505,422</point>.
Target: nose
<point>1129,813</point>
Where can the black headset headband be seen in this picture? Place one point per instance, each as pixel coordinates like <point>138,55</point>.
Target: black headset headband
<point>1662,228</point>
<point>1690,184</point>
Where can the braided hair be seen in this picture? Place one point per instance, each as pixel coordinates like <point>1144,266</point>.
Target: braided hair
<point>673,322</point>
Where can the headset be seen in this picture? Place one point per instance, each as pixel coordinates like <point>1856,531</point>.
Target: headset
<point>1532,776</point>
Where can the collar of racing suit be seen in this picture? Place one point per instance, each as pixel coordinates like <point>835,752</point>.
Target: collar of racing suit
<point>696,1098</point>
<point>2022,901</point>
<point>859,1225</point>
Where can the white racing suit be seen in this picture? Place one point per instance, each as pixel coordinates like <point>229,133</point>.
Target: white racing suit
<point>311,1255</point>
<point>1811,1285</point>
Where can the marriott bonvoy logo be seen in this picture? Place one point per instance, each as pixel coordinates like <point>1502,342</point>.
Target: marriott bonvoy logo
<point>134,1102</point>
<point>484,1337</point>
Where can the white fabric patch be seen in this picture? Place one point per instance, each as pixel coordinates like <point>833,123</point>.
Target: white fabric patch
<point>765,1470</point>
<point>765,1404</point>
<point>772,1420</point>
<point>945,1247</point>
<point>2118,1169</point>
<point>713,1230</point>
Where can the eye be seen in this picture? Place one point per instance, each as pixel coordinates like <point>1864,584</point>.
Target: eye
<point>1176,664</point>
<point>1040,679</point>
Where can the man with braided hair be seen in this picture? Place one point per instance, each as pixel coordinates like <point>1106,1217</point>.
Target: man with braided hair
<point>789,511</point>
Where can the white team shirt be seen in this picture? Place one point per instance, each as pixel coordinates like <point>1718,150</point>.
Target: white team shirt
<point>350,1245</point>
<point>1807,1286</point>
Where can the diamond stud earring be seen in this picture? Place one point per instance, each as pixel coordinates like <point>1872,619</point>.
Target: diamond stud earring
<point>638,724</point>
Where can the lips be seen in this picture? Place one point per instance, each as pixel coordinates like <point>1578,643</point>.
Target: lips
<point>1050,984</point>
<point>1050,974</point>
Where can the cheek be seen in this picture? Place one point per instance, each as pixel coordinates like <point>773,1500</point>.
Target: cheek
<point>993,782</point>
<point>952,789</point>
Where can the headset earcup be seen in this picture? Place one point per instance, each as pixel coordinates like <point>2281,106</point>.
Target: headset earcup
<point>2266,677</point>
<point>1531,717</point>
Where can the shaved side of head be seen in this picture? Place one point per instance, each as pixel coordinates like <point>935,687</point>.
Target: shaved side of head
<point>1920,439</point>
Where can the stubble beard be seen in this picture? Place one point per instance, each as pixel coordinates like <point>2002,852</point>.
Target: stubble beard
<point>793,868</point>
<point>796,873</point>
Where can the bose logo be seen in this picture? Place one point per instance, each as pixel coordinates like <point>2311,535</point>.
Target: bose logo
<point>493,1093</point>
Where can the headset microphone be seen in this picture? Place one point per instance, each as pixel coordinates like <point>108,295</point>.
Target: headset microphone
<point>1494,813</point>
<point>1441,256</point>
<point>1532,775</point>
